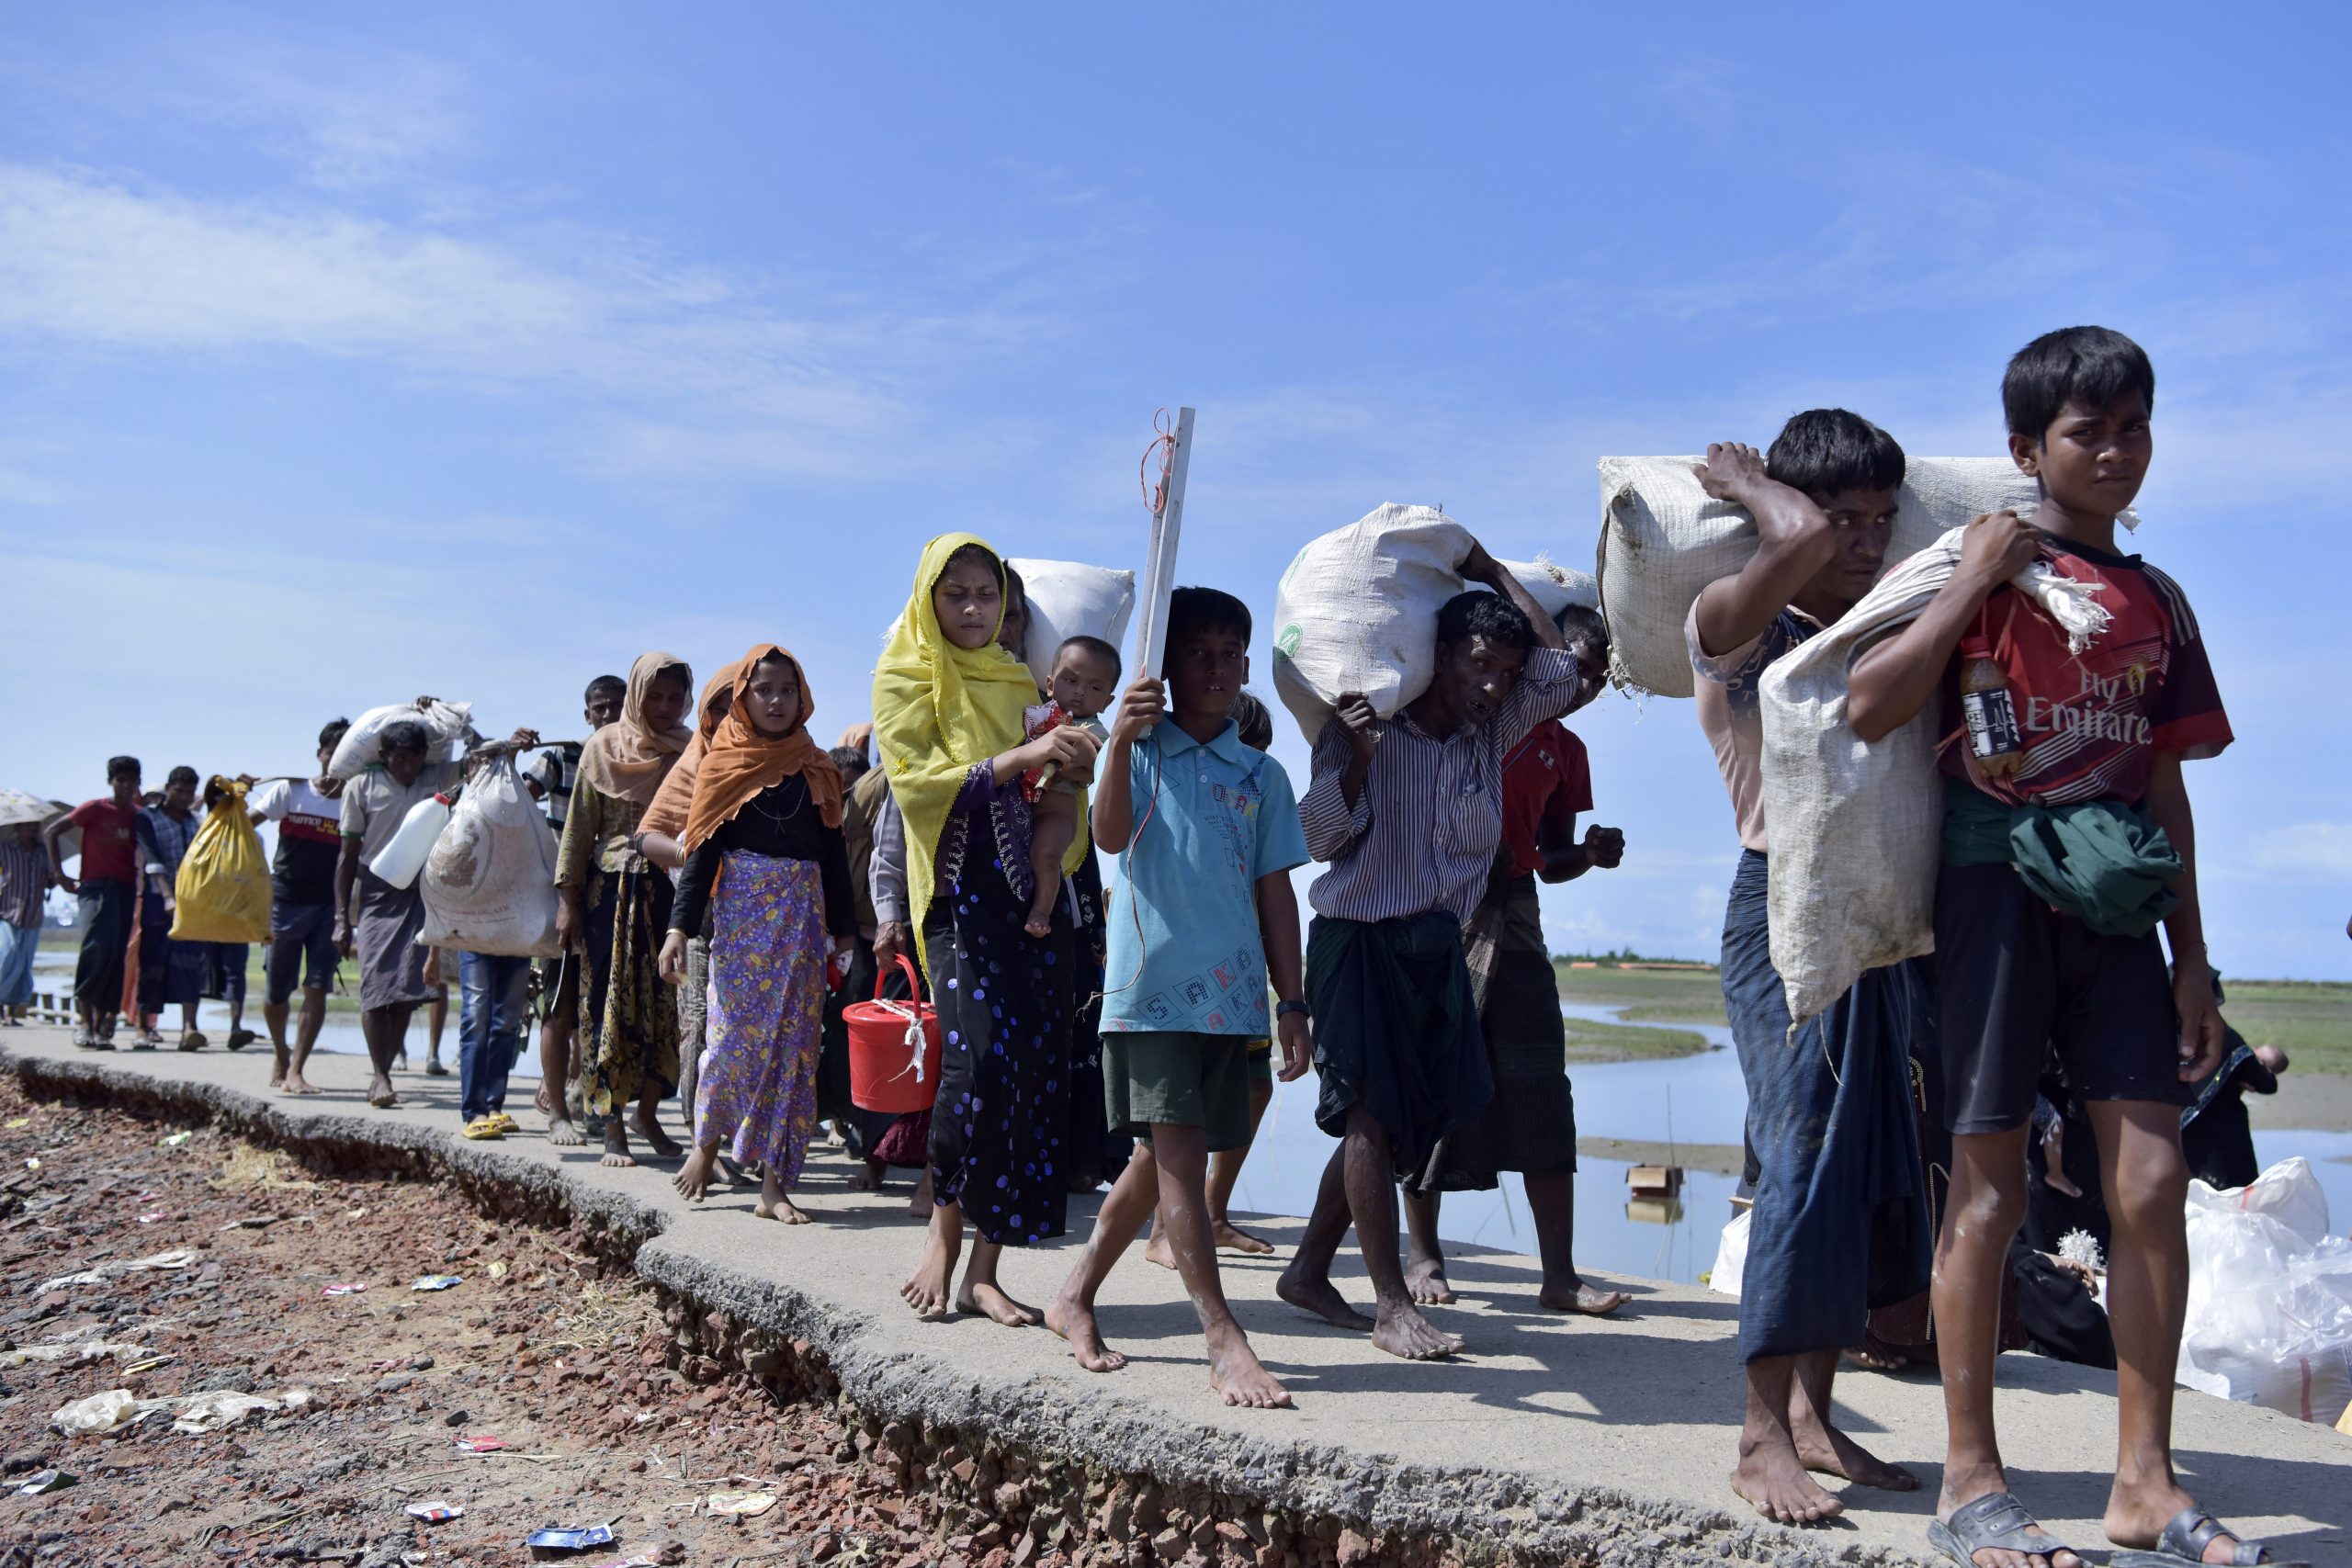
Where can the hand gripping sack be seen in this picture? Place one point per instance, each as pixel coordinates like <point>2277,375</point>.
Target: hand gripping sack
<point>489,883</point>
<point>1663,539</point>
<point>1855,829</point>
<point>1068,599</point>
<point>223,889</point>
<point>1357,610</point>
<point>447,723</point>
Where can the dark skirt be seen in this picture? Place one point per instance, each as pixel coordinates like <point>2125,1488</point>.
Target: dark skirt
<point>1531,1124</point>
<point>392,966</point>
<point>1004,1000</point>
<point>1396,1031</point>
<point>628,1020</point>
<point>1840,1224</point>
<point>105,914</point>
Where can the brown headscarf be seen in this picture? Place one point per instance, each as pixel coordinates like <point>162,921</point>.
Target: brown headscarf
<point>667,815</point>
<point>627,760</point>
<point>739,761</point>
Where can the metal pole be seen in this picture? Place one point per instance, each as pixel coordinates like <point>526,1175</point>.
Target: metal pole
<point>1160,564</point>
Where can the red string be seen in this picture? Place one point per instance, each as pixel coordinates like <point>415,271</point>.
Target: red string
<point>1155,496</point>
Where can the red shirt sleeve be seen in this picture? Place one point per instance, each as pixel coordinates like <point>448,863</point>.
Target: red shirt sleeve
<point>1573,792</point>
<point>2186,716</point>
<point>83,815</point>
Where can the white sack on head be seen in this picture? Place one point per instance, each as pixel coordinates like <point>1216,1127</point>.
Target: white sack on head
<point>1663,540</point>
<point>446,728</point>
<point>1068,599</point>
<point>488,882</point>
<point>1357,610</point>
<point>1855,828</point>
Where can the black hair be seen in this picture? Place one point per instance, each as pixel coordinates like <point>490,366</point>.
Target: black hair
<point>2092,365</point>
<point>1015,587</point>
<point>973,551</point>
<point>1094,648</point>
<point>183,774</point>
<point>604,683</point>
<point>403,735</point>
<point>121,767</point>
<point>332,735</point>
<point>1823,451</point>
<point>1192,610</point>
<point>1476,613</point>
<point>1256,723</point>
<point>852,761</point>
<point>1581,623</point>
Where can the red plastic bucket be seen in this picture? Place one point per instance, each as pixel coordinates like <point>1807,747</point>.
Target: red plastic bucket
<point>888,1071</point>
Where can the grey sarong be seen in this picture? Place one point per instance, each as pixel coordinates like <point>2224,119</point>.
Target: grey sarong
<point>392,966</point>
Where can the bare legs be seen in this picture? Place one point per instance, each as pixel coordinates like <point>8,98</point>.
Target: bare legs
<point>386,1032</point>
<point>1359,1187</point>
<point>1180,1197</point>
<point>1053,828</point>
<point>436,1019</point>
<point>926,1288</point>
<point>285,1067</point>
<point>1552,1201</point>
<point>1225,1170</point>
<point>554,1055</point>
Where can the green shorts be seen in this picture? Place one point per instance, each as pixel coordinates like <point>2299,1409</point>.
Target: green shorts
<point>1178,1080</point>
<point>1261,1062</point>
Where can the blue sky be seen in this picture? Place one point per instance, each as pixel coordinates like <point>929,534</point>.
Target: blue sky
<point>348,353</point>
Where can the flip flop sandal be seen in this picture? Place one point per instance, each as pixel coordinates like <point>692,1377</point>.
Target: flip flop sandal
<point>483,1127</point>
<point>82,1039</point>
<point>503,1122</point>
<point>193,1040</point>
<point>1996,1519</point>
<point>241,1038</point>
<point>2185,1539</point>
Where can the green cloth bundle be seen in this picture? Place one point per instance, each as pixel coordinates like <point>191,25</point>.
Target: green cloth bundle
<point>2100,860</point>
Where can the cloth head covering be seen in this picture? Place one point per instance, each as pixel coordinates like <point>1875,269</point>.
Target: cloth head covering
<point>938,709</point>
<point>738,761</point>
<point>628,760</point>
<point>675,798</point>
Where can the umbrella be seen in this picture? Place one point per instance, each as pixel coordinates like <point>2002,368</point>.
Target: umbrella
<point>17,806</point>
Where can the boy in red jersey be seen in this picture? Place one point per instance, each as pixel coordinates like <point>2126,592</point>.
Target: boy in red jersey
<point>2067,840</point>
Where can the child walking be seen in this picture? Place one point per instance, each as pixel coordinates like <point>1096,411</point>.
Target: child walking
<point>1086,676</point>
<point>2036,958</point>
<point>764,857</point>
<point>1202,912</point>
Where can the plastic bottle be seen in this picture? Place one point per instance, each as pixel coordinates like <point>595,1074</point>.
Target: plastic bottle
<point>400,860</point>
<point>1991,714</point>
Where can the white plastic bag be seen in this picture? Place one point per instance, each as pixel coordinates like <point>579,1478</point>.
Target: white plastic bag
<point>99,1414</point>
<point>1731,1256</point>
<point>1069,599</point>
<point>1357,610</point>
<point>447,724</point>
<point>1855,829</point>
<point>489,883</point>
<point>2269,1319</point>
<point>1663,539</point>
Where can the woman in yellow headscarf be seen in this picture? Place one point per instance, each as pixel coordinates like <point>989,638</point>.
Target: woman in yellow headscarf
<point>947,704</point>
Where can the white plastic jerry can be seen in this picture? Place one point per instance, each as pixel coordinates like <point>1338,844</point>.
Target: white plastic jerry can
<point>399,862</point>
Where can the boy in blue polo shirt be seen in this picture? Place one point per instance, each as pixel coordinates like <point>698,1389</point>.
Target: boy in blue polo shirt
<point>1203,914</point>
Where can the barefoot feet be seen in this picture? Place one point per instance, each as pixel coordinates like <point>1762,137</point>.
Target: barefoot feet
<point>1231,1237</point>
<point>1590,1300</point>
<point>776,1204</point>
<point>1425,1282</point>
<point>926,1288</point>
<point>1826,1449</point>
<point>692,1180</point>
<point>381,1094</point>
<point>1315,1293</point>
<point>987,1299</point>
<point>1773,1480</point>
<point>297,1084</point>
<point>563,1132</point>
<point>616,1153</point>
<point>647,1122</point>
<point>1074,1321</point>
<point>1401,1330</point>
<point>1237,1375</point>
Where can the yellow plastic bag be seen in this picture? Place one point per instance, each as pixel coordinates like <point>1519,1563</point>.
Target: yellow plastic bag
<point>224,885</point>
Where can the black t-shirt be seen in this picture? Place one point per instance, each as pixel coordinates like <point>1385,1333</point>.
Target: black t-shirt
<point>310,840</point>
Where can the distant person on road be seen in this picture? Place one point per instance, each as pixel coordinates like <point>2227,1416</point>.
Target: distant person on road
<point>25,882</point>
<point>308,814</point>
<point>1407,815</point>
<point>225,962</point>
<point>1531,1125</point>
<point>1840,1217</point>
<point>765,862</point>
<point>170,973</point>
<point>105,887</point>
<point>554,774</point>
<point>615,907</point>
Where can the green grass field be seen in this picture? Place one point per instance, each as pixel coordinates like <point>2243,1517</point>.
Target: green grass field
<point>1628,1043</point>
<point>1658,996</point>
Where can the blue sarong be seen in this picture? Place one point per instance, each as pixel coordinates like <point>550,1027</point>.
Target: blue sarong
<point>1840,1224</point>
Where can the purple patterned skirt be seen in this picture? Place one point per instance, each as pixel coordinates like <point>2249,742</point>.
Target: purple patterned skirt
<point>758,1081</point>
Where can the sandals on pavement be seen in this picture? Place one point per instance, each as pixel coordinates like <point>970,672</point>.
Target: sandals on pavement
<point>241,1038</point>
<point>1996,1519</point>
<point>482,1127</point>
<point>192,1039</point>
<point>2185,1539</point>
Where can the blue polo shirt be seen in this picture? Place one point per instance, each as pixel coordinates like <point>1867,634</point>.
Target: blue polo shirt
<point>1184,952</point>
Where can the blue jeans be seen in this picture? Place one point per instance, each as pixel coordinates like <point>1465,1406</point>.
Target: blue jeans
<point>490,1029</point>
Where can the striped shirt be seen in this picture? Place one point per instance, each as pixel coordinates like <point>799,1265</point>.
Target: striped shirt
<point>167,842</point>
<point>1423,835</point>
<point>23,881</point>
<point>555,770</point>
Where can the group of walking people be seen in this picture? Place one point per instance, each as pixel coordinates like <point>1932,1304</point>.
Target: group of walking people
<point>726,882</point>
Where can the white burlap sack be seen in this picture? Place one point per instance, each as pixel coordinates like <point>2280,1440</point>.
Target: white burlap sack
<point>489,885</point>
<point>1357,609</point>
<point>1662,540</point>
<point>449,724</point>
<point>1068,599</point>
<point>1855,829</point>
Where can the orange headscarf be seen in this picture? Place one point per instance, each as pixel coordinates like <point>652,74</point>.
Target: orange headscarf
<point>739,761</point>
<point>667,815</point>
<point>627,760</point>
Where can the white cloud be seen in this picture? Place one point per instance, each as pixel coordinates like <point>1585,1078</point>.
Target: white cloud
<point>2308,851</point>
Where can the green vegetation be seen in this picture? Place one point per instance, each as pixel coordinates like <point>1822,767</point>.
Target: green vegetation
<point>2309,1020</point>
<point>1661,995</point>
<point>344,999</point>
<point>1628,1043</point>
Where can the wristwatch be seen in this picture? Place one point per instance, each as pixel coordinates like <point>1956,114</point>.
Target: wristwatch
<point>1284,1009</point>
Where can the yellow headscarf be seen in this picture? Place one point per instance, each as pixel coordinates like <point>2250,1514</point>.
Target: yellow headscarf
<point>939,709</point>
